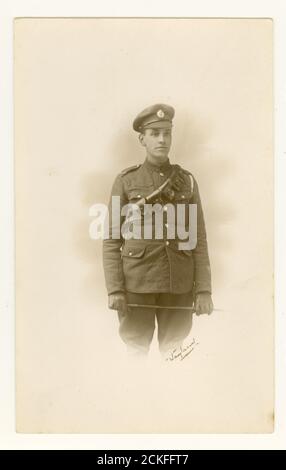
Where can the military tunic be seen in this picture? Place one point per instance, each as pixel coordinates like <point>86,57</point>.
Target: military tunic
<point>156,265</point>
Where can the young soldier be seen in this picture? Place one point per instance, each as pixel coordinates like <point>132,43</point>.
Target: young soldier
<point>151,271</point>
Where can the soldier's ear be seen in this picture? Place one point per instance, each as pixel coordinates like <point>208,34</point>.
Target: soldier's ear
<point>141,139</point>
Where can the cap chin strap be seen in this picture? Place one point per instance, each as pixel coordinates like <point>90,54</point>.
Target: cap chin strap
<point>150,125</point>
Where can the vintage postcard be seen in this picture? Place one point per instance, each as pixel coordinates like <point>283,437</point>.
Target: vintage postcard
<point>144,225</point>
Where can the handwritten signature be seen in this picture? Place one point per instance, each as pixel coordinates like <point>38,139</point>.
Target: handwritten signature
<point>182,352</point>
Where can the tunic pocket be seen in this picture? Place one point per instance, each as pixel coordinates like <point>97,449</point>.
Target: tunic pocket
<point>134,252</point>
<point>183,196</point>
<point>136,193</point>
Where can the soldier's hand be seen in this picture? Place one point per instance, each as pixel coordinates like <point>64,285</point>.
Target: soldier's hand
<point>118,302</point>
<point>204,303</point>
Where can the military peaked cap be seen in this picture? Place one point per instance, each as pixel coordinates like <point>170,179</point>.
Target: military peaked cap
<point>156,116</point>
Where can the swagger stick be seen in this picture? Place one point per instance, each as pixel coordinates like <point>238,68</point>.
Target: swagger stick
<point>173,307</point>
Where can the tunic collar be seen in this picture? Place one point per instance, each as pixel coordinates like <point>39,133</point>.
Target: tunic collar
<point>151,167</point>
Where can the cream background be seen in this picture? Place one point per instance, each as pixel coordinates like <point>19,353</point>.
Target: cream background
<point>78,85</point>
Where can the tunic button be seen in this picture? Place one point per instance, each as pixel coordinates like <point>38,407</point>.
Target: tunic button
<point>183,197</point>
<point>167,243</point>
<point>130,253</point>
<point>161,174</point>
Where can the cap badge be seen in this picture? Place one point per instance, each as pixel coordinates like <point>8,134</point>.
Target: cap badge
<point>160,114</point>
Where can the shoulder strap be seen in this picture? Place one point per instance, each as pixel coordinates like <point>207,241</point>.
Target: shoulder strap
<point>130,168</point>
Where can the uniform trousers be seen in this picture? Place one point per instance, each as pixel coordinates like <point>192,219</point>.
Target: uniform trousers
<point>136,328</point>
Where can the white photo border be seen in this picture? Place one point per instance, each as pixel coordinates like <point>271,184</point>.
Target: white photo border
<point>9,439</point>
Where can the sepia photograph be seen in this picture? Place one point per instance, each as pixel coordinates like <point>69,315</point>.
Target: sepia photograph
<point>144,207</point>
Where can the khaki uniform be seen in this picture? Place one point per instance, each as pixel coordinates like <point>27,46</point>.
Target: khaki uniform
<point>155,270</point>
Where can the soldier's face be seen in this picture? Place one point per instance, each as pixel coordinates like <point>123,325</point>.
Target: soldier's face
<point>157,142</point>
